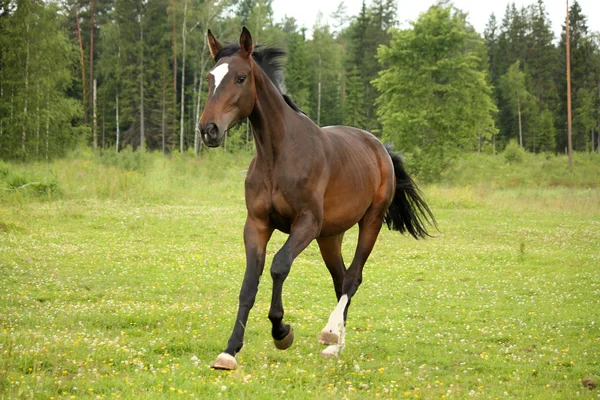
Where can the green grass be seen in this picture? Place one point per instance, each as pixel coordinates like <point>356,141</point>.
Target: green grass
<point>125,284</point>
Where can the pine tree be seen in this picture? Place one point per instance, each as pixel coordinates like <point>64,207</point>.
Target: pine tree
<point>582,75</point>
<point>297,72</point>
<point>354,105</point>
<point>515,92</point>
<point>325,55</point>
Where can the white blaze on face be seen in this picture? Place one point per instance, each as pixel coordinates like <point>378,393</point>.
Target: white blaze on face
<point>219,73</point>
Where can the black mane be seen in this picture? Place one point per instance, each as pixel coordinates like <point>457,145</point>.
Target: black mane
<point>270,60</point>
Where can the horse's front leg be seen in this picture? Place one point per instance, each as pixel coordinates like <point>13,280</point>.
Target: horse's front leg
<point>256,235</point>
<point>303,231</point>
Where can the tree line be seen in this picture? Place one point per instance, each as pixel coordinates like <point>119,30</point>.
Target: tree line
<point>131,73</point>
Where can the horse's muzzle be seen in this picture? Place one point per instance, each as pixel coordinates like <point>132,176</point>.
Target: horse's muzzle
<point>210,135</point>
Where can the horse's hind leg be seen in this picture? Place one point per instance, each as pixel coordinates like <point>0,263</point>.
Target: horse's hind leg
<point>331,251</point>
<point>333,333</point>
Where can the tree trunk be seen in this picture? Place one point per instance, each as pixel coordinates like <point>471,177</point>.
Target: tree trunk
<point>162,125</point>
<point>520,126</point>
<point>82,62</point>
<point>194,108</point>
<point>12,105</point>
<point>598,124</point>
<point>117,121</point>
<point>569,119</point>
<point>47,123</point>
<point>94,124</point>
<point>183,36</point>
<point>92,12</point>
<point>103,125</point>
<point>37,121</point>
<point>23,132</point>
<point>1,121</point>
<point>197,121</point>
<point>117,99</point>
<point>319,95</point>
<point>174,68</point>
<point>142,138</point>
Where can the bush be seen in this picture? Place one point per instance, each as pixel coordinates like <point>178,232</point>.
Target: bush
<point>126,159</point>
<point>29,185</point>
<point>514,154</point>
<point>4,170</point>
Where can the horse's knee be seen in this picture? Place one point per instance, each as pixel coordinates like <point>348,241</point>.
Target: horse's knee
<point>279,274</point>
<point>281,265</point>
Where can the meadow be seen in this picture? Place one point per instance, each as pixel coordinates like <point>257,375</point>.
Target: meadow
<point>119,278</point>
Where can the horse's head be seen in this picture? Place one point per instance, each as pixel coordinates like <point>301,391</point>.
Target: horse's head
<point>231,90</point>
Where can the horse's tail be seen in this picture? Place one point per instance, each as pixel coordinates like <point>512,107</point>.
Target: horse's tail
<point>408,211</point>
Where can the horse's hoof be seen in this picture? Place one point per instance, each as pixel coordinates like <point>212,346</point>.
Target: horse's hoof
<point>331,351</point>
<point>286,342</point>
<point>329,338</point>
<point>225,361</point>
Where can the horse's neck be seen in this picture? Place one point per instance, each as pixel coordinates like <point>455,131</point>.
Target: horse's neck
<point>268,119</point>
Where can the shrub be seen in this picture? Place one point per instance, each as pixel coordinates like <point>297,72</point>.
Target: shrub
<point>514,154</point>
<point>126,159</point>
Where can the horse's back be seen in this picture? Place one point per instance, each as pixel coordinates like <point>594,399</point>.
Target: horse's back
<point>357,146</point>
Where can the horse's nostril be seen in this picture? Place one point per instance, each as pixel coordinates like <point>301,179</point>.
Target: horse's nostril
<point>212,130</point>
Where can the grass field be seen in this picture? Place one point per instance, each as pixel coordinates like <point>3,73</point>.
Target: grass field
<point>121,280</point>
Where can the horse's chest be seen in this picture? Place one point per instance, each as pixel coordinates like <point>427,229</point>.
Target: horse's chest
<point>281,213</point>
<point>276,200</point>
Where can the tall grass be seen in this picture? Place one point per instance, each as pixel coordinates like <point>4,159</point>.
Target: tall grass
<point>135,176</point>
<point>525,170</point>
<point>186,179</point>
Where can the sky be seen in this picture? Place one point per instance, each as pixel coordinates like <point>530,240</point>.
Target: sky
<point>305,11</point>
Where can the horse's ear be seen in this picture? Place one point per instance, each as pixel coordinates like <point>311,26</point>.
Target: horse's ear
<point>246,44</point>
<point>213,44</point>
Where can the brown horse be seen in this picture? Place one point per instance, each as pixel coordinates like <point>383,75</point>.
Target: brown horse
<point>306,181</point>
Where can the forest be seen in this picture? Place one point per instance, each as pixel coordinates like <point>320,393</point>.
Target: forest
<point>116,74</point>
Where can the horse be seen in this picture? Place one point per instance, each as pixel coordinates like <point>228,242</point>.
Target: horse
<point>309,182</point>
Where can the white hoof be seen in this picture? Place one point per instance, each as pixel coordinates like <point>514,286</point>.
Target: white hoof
<point>225,361</point>
<point>332,351</point>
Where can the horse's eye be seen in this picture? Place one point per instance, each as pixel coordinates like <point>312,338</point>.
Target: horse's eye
<point>241,79</point>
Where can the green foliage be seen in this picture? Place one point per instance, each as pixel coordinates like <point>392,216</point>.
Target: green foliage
<point>523,107</point>
<point>126,159</point>
<point>23,183</point>
<point>239,139</point>
<point>297,68</point>
<point>37,117</point>
<point>355,100</point>
<point>545,126</point>
<point>513,153</point>
<point>585,75</point>
<point>434,98</point>
<point>540,171</point>
<point>327,76</point>
<point>331,76</point>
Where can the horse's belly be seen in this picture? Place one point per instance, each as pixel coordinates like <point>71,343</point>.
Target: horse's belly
<point>338,218</point>
<point>280,222</point>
